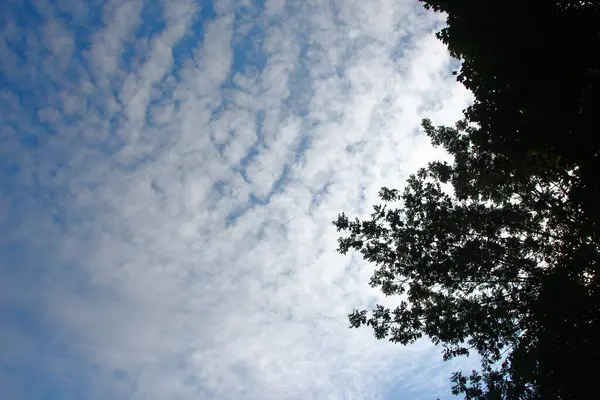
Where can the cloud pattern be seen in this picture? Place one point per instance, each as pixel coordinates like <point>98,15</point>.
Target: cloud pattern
<point>169,173</point>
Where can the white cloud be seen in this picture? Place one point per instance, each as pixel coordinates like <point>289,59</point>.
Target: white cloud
<point>195,290</point>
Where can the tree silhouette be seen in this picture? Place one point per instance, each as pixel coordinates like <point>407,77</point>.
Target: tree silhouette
<point>497,252</point>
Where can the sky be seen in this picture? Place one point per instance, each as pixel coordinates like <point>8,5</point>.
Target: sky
<point>169,171</point>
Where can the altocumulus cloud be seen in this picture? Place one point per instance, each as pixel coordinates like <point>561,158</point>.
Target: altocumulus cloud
<point>169,171</point>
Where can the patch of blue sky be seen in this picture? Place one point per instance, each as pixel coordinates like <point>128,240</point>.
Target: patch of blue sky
<point>9,170</point>
<point>152,24</point>
<point>301,91</point>
<point>21,12</point>
<point>254,150</point>
<point>46,214</point>
<point>46,387</point>
<point>24,16</point>
<point>304,144</point>
<point>320,194</point>
<point>248,56</point>
<point>29,21</point>
<point>278,185</point>
<point>248,41</point>
<point>286,175</point>
<point>183,49</point>
<point>47,366</point>
<point>21,198</point>
<point>24,77</point>
<point>152,19</point>
<point>71,378</point>
<point>234,215</point>
<point>254,200</point>
<point>82,25</point>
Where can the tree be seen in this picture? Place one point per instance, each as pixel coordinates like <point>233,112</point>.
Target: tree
<point>530,68</point>
<point>535,79</point>
<point>492,266</point>
<point>497,252</point>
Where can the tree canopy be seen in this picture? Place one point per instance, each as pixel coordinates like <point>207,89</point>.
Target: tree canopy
<point>496,253</point>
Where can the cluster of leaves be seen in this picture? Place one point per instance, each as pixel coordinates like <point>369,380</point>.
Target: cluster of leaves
<point>497,253</point>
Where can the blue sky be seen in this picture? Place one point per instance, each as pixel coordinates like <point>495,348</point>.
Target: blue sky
<point>168,174</point>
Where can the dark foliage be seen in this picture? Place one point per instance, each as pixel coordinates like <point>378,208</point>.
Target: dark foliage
<point>497,253</point>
